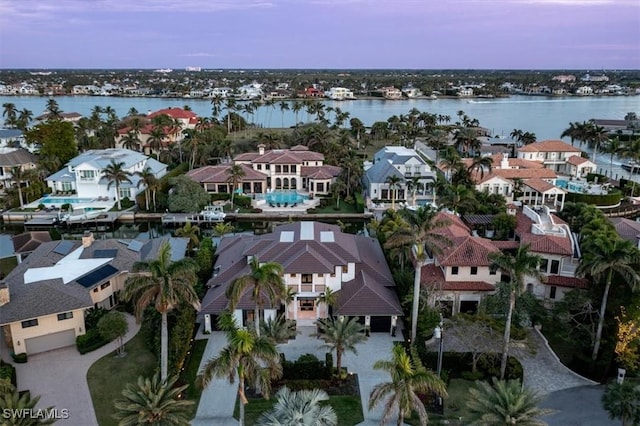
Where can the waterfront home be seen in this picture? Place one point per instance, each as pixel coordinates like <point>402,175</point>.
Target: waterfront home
<point>184,118</point>
<point>311,92</point>
<point>215,179</point>
<point>11,138</point>
<point>549,237</point>
<point>460,275</point>
<point>44,299</point>
<point>415,177</point>
<point>553,154</point>
<point>10,158</point>
<point>296,168</point>
<point>84,177</point>
<point>339,94</point>
<point>316,257</point>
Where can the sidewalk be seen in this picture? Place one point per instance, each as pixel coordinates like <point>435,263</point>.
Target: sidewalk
<point>59,377</point>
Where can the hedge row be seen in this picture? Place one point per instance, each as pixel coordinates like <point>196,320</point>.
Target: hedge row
<point>610,199</point>
<point>307,367</point>
<point>359,203</point>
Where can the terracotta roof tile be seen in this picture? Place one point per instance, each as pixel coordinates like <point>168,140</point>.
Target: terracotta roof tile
<point>547,244</point>
<point>433,278</point>
<point>551,145</point>
<point>539,184</point>
<point>571,282</point>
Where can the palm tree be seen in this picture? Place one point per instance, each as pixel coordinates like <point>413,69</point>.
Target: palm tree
<point>150,181</point>
<point>165,284</point>
<point>252,358</point>
<point>284,106</point>
<point>11,113</point>
<point>296,108</point>
<point>340,334</point>
<point>191,232</point>
<point>414,185</point>
<point>596,137</point>
<point>480,163</point>
<point>417,232</point>
<point>15,407</point>
<point>613,147</point>
<point>53,110</point>
<point>622,401</point>
<point>571,132</point>
<point>517,265</point>
<point>393,181</point>
<point>409,379</point>
<point>20,176</point>
<point>131,141</point>
<point>278,329</point>
<point>156,140</point>
<point>603,257</point>
<point>235,173</point>
<point>301,407</point>
<point>505,403</point>
<point>116,174</point>
<point>153,402</point>
<point>24,119</point>
<point>264,280</point>
<point>466,140</point>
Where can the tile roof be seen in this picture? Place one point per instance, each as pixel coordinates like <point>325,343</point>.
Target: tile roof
<point>571,282</point>
<point>281,156</point>
<point>627,229</point>
<point>576,160</point>
<point>320,172</point>
<point>309,247</point>
<point>468,251</point>
<point>220,174</point>
<point>174,113</point>
<point>539,185</point>
<point>547,244</point>
<point>552,145</point>
<point>524,174</point>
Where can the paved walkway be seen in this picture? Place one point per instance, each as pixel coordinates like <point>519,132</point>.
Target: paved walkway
<point>217,401</point>
<point>60,378</point>
<point>543,372</point>
<point>580,406</point>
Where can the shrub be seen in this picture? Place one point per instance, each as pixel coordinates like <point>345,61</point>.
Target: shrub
<point>8,372</point>
<point>180,338</point>
<point>359,203</point>
<point>601,178</point>
<point>312,211</point>
<point>609,199</point>
<point>90,341</point>
<point>256,210</point>
<point>40,206</point>
<point>307,367</point>
<point>19,358</point>
<point>92,317</point>
<point>242,201</point>
<point>126,203</point>
<point>220,197</point>
<point>468,375</point>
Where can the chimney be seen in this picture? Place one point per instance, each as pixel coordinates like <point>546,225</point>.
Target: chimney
<point>504,164</point>
<point>4,294</point>
<point>87,239</point>
<point>261,149</point>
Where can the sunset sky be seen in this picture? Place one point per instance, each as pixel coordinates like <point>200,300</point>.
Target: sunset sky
<point>425,34</point>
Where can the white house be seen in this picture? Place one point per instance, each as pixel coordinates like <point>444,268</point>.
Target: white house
<point>416,179</point>
<point>339,93</point>
<point>84,174</point>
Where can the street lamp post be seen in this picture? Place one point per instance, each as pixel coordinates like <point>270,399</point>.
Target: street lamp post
<point>438,335</point>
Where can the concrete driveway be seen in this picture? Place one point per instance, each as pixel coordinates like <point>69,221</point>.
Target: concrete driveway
<point>579,406</point>
<point>59,377</point>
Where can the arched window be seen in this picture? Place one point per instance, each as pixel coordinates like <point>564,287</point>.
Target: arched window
<point>285,183</point>
<point>530,288</point>
<point>294,183</point>
<point>278,183</point>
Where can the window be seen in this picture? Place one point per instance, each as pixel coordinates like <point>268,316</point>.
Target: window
<point>105,285</point>
<point>320,187</point>
<point>278,168</point>
<point>293,275</point>
<point>544,265</point>
<point>267,166</point>
<point>530,288</point>
<point>30,323</point>
<point>259,166</point>
<point>552,292</point>
<point>65,315</point>
<point>492,270</point>
<point>125,193</point>
<point>555,266</point>
<point>293,168</point>
<point>307,278</point>
<point>66,186</point>
<point>87,174</point>
<point>474,270</point>
<point>285,169</point>
<point>454,270</point>
<point>332,275</point>
<point>345,269</point>
<point>306,305</point>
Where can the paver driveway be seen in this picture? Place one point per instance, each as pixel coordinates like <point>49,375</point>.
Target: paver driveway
<point>60,378</point>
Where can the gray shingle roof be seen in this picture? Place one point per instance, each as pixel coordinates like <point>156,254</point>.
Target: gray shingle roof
<point>50,296</point>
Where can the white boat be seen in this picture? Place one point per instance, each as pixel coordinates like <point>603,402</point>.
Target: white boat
<point>213,213</point>
<point>632,167</point>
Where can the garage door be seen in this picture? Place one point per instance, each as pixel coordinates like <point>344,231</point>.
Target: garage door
<point>50,341</point>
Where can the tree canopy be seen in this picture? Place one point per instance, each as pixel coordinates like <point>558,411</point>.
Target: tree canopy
<point>55,138</point>
<point>187,195</point>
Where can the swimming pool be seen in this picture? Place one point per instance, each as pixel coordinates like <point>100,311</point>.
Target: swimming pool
<point>282,197</point>
<point>60,200</point>
<point>561,183</point>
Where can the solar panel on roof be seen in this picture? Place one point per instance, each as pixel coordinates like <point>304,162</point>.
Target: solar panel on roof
<point>135,245</point>
<point>96,276</point>
<point>64,247</point>
<point>105,253</point>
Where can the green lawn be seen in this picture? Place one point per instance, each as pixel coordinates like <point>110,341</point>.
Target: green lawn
<point>108,376</point>
<point>347,408</point>
<point>7,264</point>
<point>191,372</point>
<point>454,405</point>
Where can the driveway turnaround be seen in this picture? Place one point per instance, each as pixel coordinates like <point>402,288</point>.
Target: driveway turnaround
<point>579,406</point>
<point>60,378</point>
<point>218,400</point>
